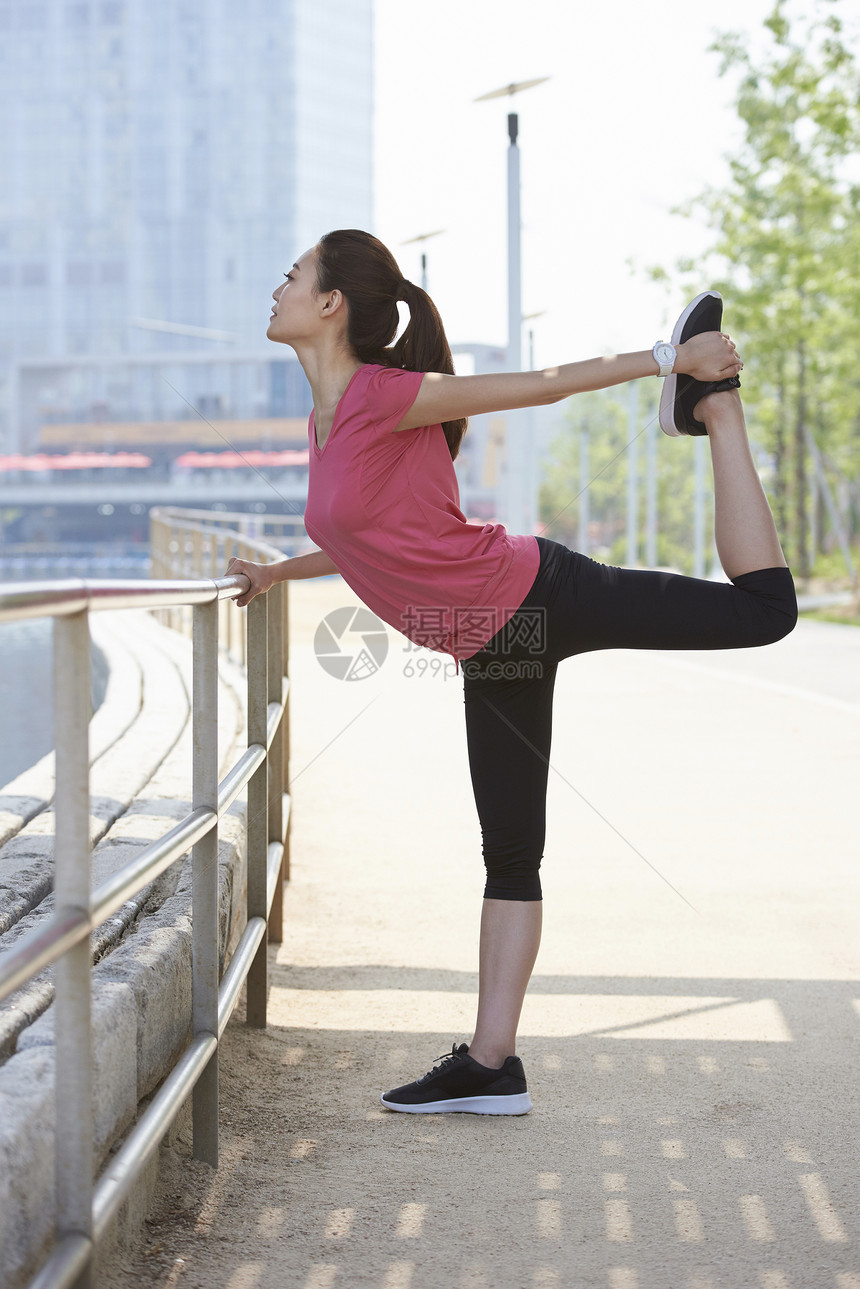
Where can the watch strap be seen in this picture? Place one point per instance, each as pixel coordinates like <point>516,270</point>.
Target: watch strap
<point>665,368</point>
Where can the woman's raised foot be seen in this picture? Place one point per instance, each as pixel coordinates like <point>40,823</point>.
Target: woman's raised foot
<point>718,405</point>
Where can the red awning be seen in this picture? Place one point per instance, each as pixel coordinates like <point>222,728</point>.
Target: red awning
<point>252,459</point>
<point>77,461</point>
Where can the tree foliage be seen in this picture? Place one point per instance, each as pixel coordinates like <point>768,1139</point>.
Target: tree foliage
<point>787,242</point>
<point>604,418</point>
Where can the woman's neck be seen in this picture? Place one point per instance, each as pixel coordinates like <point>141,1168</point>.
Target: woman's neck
<point>328,373</point>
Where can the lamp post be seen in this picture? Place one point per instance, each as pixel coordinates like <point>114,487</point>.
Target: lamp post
<point>532,499</point>
<point>632,557</point>
<point>519,446</point>
<point>528,317</point>
<point>423,237</point>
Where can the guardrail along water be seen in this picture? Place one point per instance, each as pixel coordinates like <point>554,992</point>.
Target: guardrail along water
<point>86,1204</point>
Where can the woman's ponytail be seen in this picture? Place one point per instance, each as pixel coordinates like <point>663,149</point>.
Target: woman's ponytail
<point>360,266</point>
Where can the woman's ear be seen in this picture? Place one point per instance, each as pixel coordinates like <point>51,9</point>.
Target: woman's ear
<point>333,302</point>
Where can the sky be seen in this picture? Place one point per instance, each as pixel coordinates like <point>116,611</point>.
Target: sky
<point>634,121</point>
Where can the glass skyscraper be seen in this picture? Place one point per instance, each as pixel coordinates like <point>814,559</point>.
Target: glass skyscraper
<point>161,163</point>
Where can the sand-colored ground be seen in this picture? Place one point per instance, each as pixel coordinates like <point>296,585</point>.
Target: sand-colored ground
<point>691,1052</point>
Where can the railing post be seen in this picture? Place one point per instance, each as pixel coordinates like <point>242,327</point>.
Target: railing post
<point>285,669</point>
<point>195,569</point>
<point>72,893</point>
<point>237,620</point>
<point>205,923</point>
<point>177,534</point>
<point>258,829</point>
<point>225,607</point>
<point>276,755</point>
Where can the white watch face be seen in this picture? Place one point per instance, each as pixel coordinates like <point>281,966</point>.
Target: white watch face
<point>665,354</point>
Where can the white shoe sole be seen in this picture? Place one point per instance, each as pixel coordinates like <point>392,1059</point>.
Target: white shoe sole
<point>521,1103</point>
<point>670,382</point>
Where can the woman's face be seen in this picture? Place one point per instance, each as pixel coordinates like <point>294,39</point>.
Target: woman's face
<point>296,314</point>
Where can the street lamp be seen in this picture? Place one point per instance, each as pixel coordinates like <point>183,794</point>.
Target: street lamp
<point>514,226</point>
<point>423,237</point>
<point>520,511</point>
<point>528,317</point>
<point>531,480</point>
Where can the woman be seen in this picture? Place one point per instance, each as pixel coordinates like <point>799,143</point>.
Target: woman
<point>383,506</point>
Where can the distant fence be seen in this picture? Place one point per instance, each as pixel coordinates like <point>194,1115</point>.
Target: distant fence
<point>195,543</point>
<point>85,1204</point>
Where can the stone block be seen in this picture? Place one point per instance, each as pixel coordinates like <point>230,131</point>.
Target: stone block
<point>27,1117</point>
<point>156,965</point>
<point>114,1058</point>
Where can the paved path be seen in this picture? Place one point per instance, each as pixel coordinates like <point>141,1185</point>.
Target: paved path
<point>690,1035</point>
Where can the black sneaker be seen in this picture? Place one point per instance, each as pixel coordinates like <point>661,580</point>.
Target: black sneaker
<point>682,393</point>
<point>460,1084</point>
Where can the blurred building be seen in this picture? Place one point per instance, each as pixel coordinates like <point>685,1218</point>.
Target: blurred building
<point>161,163</point>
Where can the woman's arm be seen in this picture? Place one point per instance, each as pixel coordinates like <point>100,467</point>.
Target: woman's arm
<point>708,356</point>
<point>263,576</point>
<point>314,564</point>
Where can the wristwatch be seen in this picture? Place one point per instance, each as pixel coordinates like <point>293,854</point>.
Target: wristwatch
<point>664,356</point>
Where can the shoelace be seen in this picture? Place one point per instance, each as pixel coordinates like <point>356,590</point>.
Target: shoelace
<point>444,1062</point>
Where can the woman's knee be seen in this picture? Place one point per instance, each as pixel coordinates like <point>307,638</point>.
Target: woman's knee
<point>781,622</point>
<point>775,597</point>
<point>513,877</point>
<point>525,888</point>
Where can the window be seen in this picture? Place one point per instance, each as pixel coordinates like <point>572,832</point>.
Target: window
<point>31,16</point>
<point>33,275</point>
<point>112,273</point>
<point>78,274</point>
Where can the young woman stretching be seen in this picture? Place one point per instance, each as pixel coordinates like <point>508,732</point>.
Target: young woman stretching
<point>383,506</point>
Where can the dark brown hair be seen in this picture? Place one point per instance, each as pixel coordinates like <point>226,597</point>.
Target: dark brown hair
<point>357,264</point>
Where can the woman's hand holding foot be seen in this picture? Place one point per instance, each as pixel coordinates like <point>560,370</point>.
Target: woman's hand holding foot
<point>710,355</point>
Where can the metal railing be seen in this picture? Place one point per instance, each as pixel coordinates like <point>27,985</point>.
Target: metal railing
<point>188,543</point>
<point>86,1205</point>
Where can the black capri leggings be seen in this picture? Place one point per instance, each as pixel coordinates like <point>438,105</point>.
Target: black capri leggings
<point>575,606</point>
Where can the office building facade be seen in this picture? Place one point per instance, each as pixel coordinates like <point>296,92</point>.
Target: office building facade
<point>161,163</point>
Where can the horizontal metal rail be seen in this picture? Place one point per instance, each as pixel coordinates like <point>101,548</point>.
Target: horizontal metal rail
<point>260,546</point>
<point>142,1142</point>
<point>234,976</point>
<point>234,518</point>
<point>152,861</point>
<point>274,712</point>
<point>86,1206</point>
<point>274,856</point>
<point>38,948</point>
<point>115,1183</point>
<point>69,1259</point>
<point>233,783</point>
<point>67,596</point>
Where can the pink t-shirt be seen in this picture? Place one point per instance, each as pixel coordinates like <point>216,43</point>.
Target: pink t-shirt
<point>385,507</point>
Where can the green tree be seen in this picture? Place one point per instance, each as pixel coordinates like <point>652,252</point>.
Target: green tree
<point>603,416</point>
<point>787,242</point>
